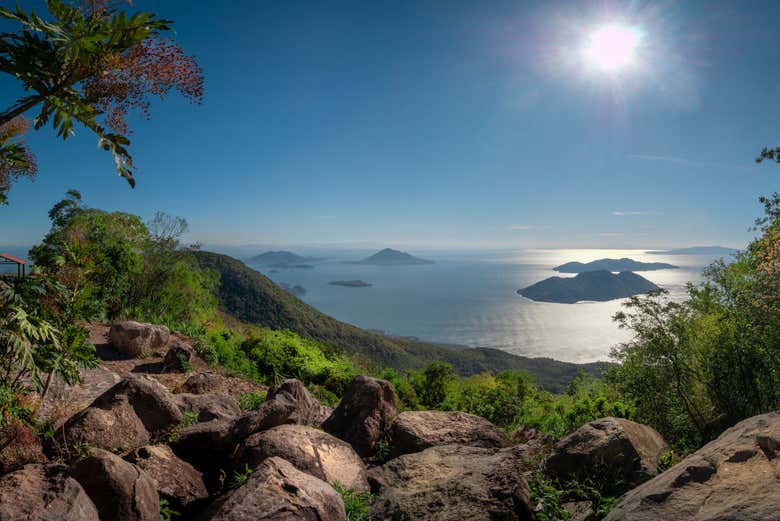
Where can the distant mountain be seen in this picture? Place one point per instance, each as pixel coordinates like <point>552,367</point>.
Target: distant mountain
<point>590,285</point>
<point>624,264</point>
<point>350,283</point>
<point>252,297</point>
<point>281,259</point>
<point>698,250</point>
<point>390,257</point>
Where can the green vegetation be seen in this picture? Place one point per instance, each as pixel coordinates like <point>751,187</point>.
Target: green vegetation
<point>166,512</point>
<point>86,63</point>
<point>240,477</point>
<point>251,297</point>
<point>251,401</point>
<point>357,504</point>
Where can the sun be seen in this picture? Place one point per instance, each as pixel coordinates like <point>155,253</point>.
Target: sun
<point>612,48</point>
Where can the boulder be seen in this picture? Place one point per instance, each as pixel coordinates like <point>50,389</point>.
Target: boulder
<point>453,482</point>
<point>307,409</point>
<point>19,445</point>
<point>735,477</point>
<point>119,490</point>
<point>113,426</point>
<point>277,491</point>
<point>179,357</point>
<point>310,450</point>
<point>207,446</point>
<point>364,415</point>
<point>270,414</point>
<point>414,431</point>
<point>44,493</point>
<point>626,452</point>
<point>136,339</point>
<point>202,383</point>
<point>64,400</point>
<point>212,406</point>
<point>176,480</point>
<point>151,402</point>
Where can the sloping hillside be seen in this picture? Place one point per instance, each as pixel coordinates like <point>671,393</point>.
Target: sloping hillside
<point>250,296</point>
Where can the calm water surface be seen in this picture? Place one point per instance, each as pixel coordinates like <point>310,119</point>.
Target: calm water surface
<point>471,299</point>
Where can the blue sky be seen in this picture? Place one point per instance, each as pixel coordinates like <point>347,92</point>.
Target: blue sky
<point>444,124</point>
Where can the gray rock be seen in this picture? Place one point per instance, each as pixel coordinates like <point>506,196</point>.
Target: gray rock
<point>277,491</point>
<point>734,477</point>
<point>624,451</point>
<point>310,450</point>
<point>212,406</point>
<point>179,357</point>
<point>119,490</point>
<point>453,482</point>
<point>364,415</point>
<point>111,425</point>
<point>270,414</point>
<point>414,431</point>
<point>136,339</point>
<point>152,402</point>
<point>44,493</point>
<point>202,383</point>
<point>308,410</point>
<point>176,480</point>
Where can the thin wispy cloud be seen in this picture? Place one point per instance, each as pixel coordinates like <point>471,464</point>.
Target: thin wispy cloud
<point>624,213</point>
<point>611,234</point>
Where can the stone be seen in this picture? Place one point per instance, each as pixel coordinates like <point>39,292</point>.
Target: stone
<point>205,444</point>
<point>364,415</point>
<point>734,477</point>
<point>119,490</point>
<point>626,452</point>
<point>277,491</point>
<point>179,357</point>
<point>152,402</point>
<point>270,414</point>
<point>136,339</point>
<point>44,493</point>
<point>414,431</point>
<point>113,426</point>
<point>309,450</point>
<point>176,480</point>
<point>212,406</point>
<point>308,410</point>
<point>202,383</point>
<point>453,482</point>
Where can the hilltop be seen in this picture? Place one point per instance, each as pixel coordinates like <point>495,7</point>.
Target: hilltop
<point>251,297</point>
<point>590,285</point>
<point>616,265</point>
<point>390,257</point>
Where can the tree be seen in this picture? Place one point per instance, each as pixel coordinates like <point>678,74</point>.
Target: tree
<point>89,64</point>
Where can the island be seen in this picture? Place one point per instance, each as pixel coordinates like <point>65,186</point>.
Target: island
<point>350,283</point>
<point>698,250</point>
<point>292,266</point>
<point>616,265</point>
<point>390,257</point>
<point>590,285</point>
<point>296,290</point>
<point>281,259</point>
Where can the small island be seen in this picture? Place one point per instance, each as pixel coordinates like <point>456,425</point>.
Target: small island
<point>296,290</point>
<point>350,283</point>
<point>282,259</point>
<point>616,265</point>
<point>390,257</point>
<point>590,285</point>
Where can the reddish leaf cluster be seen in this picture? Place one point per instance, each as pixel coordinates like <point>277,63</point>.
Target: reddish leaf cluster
<point>16,159</point>
<point>127,82</point>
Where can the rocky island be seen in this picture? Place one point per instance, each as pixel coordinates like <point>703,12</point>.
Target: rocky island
<point>282,259</point>
<point>350,283</point>
<point>390,257</point>
<point>590,285</point>
<point>615,265</point>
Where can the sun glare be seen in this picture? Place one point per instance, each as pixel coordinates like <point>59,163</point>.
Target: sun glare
<point>612,48</point>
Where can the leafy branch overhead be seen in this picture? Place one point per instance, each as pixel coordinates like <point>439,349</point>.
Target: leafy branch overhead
<point>92,65</point>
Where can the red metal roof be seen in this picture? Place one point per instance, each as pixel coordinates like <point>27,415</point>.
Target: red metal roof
<point>13,259</point>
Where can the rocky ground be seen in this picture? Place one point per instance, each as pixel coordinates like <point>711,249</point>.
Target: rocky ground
<point>156,426</point>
